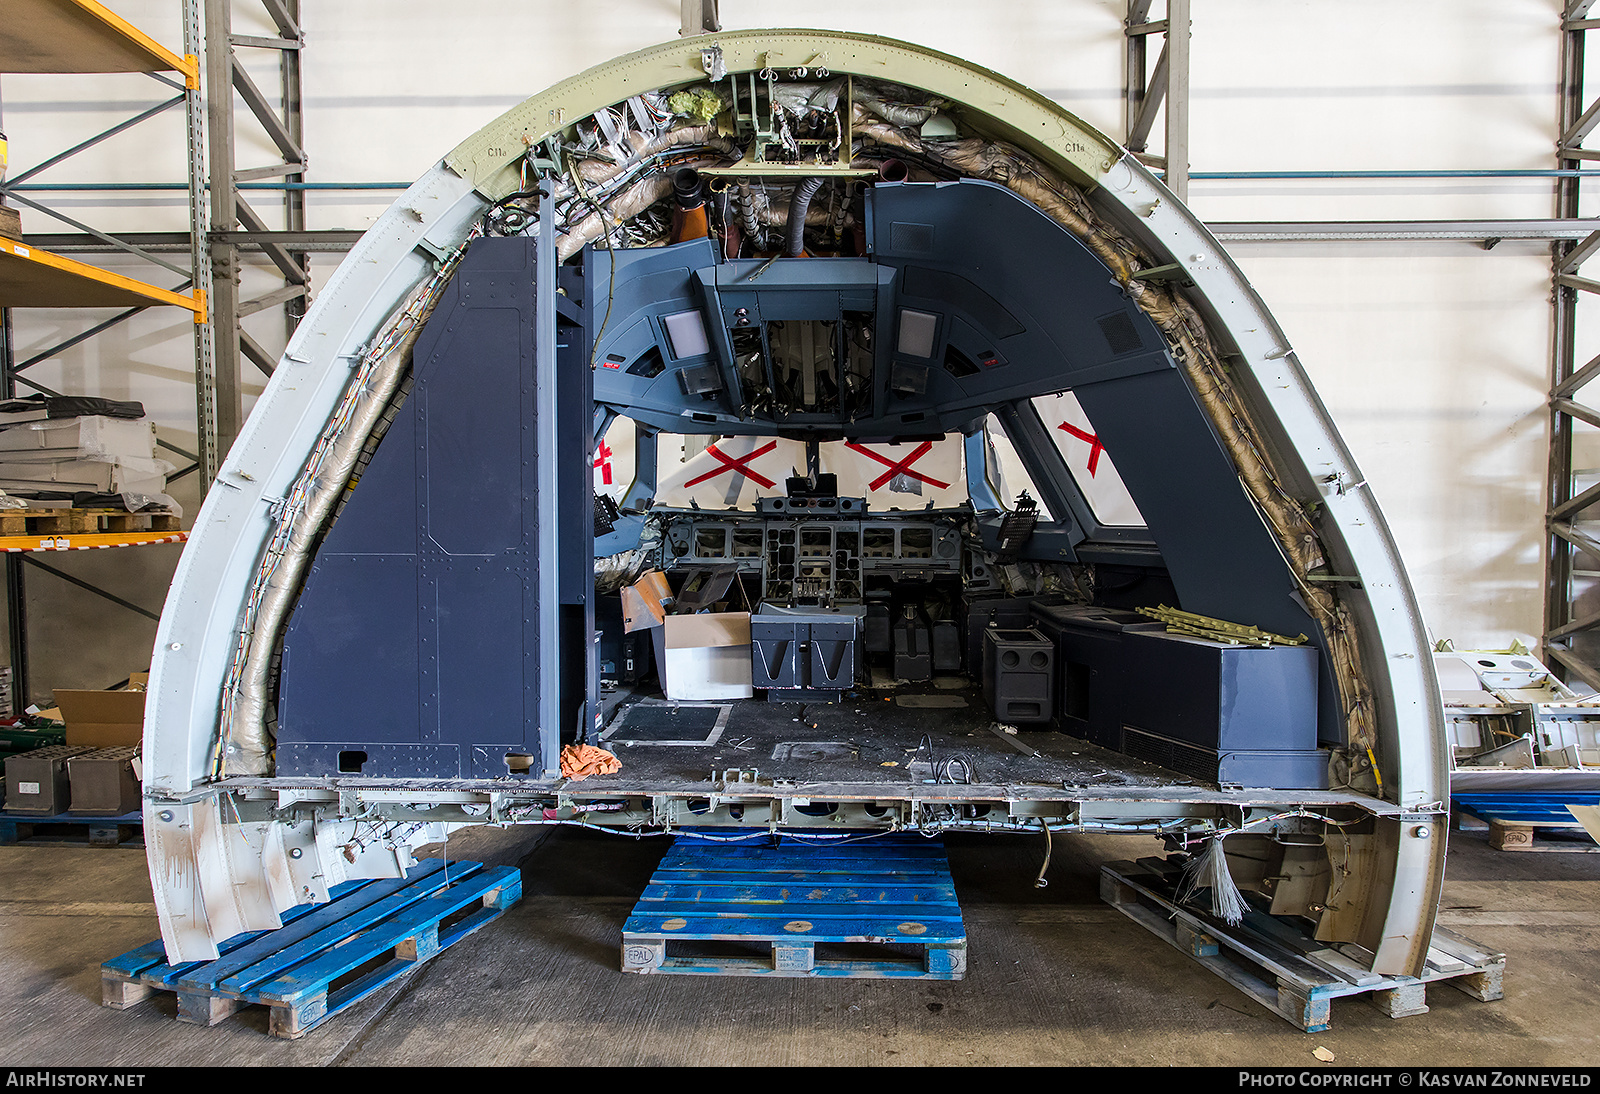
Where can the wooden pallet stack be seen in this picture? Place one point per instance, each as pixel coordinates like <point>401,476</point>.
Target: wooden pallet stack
<point>1276,960</point>
<point>72,830</point>
<point>60,522</point>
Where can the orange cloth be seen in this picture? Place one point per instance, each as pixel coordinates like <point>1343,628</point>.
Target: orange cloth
<point>581,761</point>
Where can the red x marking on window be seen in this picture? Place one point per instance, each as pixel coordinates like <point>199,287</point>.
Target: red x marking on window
<point>739,465</point>
<point>602,462</point>
<point>903,467</point>
<point>1094,442</point>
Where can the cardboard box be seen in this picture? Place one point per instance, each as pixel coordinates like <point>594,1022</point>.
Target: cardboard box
<point>10,222</point>
<point>704,656</point>
<point>105,719</point>
<point>104,782</point>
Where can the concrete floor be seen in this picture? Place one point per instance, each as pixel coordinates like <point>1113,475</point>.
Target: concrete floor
<point>1055,977</point>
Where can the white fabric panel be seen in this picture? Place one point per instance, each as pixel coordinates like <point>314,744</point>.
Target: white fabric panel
<point>1007,474</point>
<point>1087,459</point>
<point>908,475</point>
<point>614,460</point>
<point>730,474</point>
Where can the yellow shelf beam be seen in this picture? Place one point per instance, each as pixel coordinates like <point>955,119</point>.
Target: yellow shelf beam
<point>32,278</point>
<point>83,36</point>
<point>84,541</point>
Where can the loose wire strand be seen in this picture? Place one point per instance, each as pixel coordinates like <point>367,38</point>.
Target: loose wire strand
<point>1041,881</point>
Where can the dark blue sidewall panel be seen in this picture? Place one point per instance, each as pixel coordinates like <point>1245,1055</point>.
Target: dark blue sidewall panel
<point>1223,559</point>
<point>415,640</point>
<point>338,662</point>
<point>474,434</point>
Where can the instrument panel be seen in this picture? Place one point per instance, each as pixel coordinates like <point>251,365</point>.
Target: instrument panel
<point>804,558</point>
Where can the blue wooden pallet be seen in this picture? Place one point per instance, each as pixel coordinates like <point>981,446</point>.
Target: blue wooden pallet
<point>299,970</point>
<point>1515,816</point>
<point>70,830</point>
<point>889,899</point>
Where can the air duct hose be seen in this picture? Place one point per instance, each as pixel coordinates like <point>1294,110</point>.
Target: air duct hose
<point>892,170</point>
<point>794,241</point>
<point>688,206</point>
<point>747,215</point>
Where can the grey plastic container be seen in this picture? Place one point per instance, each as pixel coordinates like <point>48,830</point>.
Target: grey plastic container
<point>797,648</point>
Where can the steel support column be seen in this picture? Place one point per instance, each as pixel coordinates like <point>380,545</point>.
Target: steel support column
<point>1564,543</point>
<point>226,77</point>
<point>699,17</point>
<point>217,396</point>
<point>16,605</point>
<point>205,369</point>
<point>16,593</point>
<point>294,201</point>
<point>1147,90</point>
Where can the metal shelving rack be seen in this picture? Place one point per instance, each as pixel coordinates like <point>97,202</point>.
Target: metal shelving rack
<point>1567,626</point>
<point>80,36</point>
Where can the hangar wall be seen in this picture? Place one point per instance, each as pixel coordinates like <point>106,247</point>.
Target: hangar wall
<point>1432,357</point>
